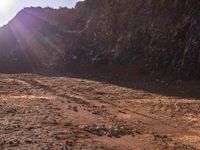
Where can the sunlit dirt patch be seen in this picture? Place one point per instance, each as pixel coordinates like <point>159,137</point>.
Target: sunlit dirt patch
<point>38,112</point>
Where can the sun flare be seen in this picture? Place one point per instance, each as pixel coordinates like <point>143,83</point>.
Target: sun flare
<point>5,6</point>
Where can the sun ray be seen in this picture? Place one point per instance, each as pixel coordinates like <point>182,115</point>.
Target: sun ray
<point>24,36</point>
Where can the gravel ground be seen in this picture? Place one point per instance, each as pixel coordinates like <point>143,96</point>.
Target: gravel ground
<point>64,113</point>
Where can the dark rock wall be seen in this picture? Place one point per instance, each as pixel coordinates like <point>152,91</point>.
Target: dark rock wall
<point>156,36</point>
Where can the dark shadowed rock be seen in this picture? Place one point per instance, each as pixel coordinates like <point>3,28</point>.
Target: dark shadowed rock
<point>153,37</point>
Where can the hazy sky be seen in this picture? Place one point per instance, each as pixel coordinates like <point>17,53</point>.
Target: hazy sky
<point>9,8</point>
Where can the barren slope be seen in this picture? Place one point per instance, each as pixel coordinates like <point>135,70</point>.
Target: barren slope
<point>38,112</point>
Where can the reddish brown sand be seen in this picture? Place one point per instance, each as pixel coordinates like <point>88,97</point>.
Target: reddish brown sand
<point>38,112</point>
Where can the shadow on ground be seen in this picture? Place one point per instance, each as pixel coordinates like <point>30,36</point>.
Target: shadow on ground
<point>126,77</point>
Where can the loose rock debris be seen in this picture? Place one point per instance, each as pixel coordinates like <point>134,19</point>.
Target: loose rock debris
<point>111,132</point>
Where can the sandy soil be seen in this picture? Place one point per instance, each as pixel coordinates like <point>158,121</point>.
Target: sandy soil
<point>40,113</point>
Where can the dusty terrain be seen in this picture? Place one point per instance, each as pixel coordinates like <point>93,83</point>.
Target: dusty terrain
<point>38,112</point>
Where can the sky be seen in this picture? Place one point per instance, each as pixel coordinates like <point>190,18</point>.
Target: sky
<point>9,8</point>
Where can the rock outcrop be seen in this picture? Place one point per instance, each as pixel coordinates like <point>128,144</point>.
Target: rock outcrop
<point>159,37</point>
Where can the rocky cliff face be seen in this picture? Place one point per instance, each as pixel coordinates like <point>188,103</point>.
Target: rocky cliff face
<point>34,40</point>
<point>152,36</point>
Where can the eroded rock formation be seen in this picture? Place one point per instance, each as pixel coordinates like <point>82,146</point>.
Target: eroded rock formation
<point>152,36</point>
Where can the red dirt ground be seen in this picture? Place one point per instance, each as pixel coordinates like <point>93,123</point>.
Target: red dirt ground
<point>39,112</point>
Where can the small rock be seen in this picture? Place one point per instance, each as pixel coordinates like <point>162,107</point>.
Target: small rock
<point>96,112</point>
<point>11,111</point>
<point>29,141</point>
<point>120,111</point>
<point>75,108</point>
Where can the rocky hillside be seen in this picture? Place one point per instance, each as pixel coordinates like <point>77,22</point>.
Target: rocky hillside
<point>159,37</point>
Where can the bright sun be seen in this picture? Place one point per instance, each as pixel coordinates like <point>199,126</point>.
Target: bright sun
<point>5,6</point>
